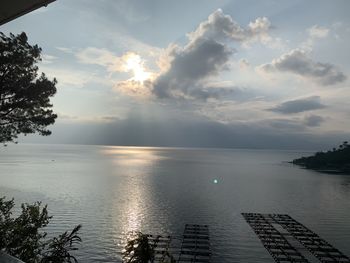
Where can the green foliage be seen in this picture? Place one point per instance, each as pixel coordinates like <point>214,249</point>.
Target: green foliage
<point>338,159</point>
<point>140,250</point>
<point>58,248</point>
<point>24,97</point>
<point>23,237</point>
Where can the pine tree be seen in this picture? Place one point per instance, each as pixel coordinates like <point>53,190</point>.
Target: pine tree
<point>24,96</point>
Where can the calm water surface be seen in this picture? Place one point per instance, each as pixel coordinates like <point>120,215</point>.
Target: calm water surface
<point>114,190</point>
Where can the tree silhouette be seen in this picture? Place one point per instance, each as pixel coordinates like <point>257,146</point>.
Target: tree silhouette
<point>139,249</point>
<point>24,97</point>
<point>337,160</point>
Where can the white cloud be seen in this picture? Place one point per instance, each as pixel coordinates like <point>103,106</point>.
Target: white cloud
<point>99,56</point>
<point>47,59</point>
<point>132,88</point>
<point>315,33</point>
<point>97,119</point>
<point>72,78</point>
<point>128,62</point>
<point>243,64</point>
<point>220,26</point>
<point>318,31</point>
<point>65,50</point>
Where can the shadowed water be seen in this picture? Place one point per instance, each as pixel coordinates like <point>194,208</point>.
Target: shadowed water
<point>114,190</point>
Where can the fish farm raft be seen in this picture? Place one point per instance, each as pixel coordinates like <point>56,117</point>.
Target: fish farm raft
<point>287,240</point>
<point>192,246</point>
<point>283,237</point>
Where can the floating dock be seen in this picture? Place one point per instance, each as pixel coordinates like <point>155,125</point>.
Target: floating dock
<point>195,246</point>
<point>192,246</point>
<point>278,244</point>
<point>161,245</point>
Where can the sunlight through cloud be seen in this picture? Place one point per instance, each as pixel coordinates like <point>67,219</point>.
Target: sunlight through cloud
<point>134,63</point>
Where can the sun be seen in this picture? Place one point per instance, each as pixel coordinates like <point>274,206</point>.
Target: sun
<point>134,63</point>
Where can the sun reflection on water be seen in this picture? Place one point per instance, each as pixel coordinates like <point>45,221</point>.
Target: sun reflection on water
<point>133,156</point>
<point>135,164</point>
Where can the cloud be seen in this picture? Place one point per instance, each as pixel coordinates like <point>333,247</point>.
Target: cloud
<point>190,132</point>
<point>243,64</point>
<point>313,120</point>
<point>62,116</point>
<point>285,125</point>
<point>190,66</point>
<point>299,105</point>
<point>109,118</point>
<point>138,85</point>
<point>65,50</point>
<point>47,59</point>
<point>107,59</point>
<point>220,26</point>
<point>186,70</point>
<point>318,31</point>
<point>67,118</point>
<point>299,63</point>
<point>70,77</point>
<point>134,88</point>
<point>315,33</point>
<point>206,93</point>
<point>99,56</point>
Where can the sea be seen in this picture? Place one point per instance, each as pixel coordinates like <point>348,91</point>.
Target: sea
<point>113,191</point>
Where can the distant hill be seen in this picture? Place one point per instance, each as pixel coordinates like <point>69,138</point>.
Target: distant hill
<point>336,160</point>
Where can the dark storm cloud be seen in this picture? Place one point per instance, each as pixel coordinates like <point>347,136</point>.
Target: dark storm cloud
<point>299,105</point>
<point>205,55</point>
<point>226,93</point>
<point>298,62</point>
<point>313,120</point>
<point>206,93</point>
<point>189,66</point>
<point>286,125</point>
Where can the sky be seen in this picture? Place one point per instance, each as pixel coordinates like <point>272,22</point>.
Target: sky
<point>244,74</point>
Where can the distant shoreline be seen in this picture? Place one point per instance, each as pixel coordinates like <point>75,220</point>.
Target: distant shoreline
<point>335,161</point>
<point>324,170</point>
